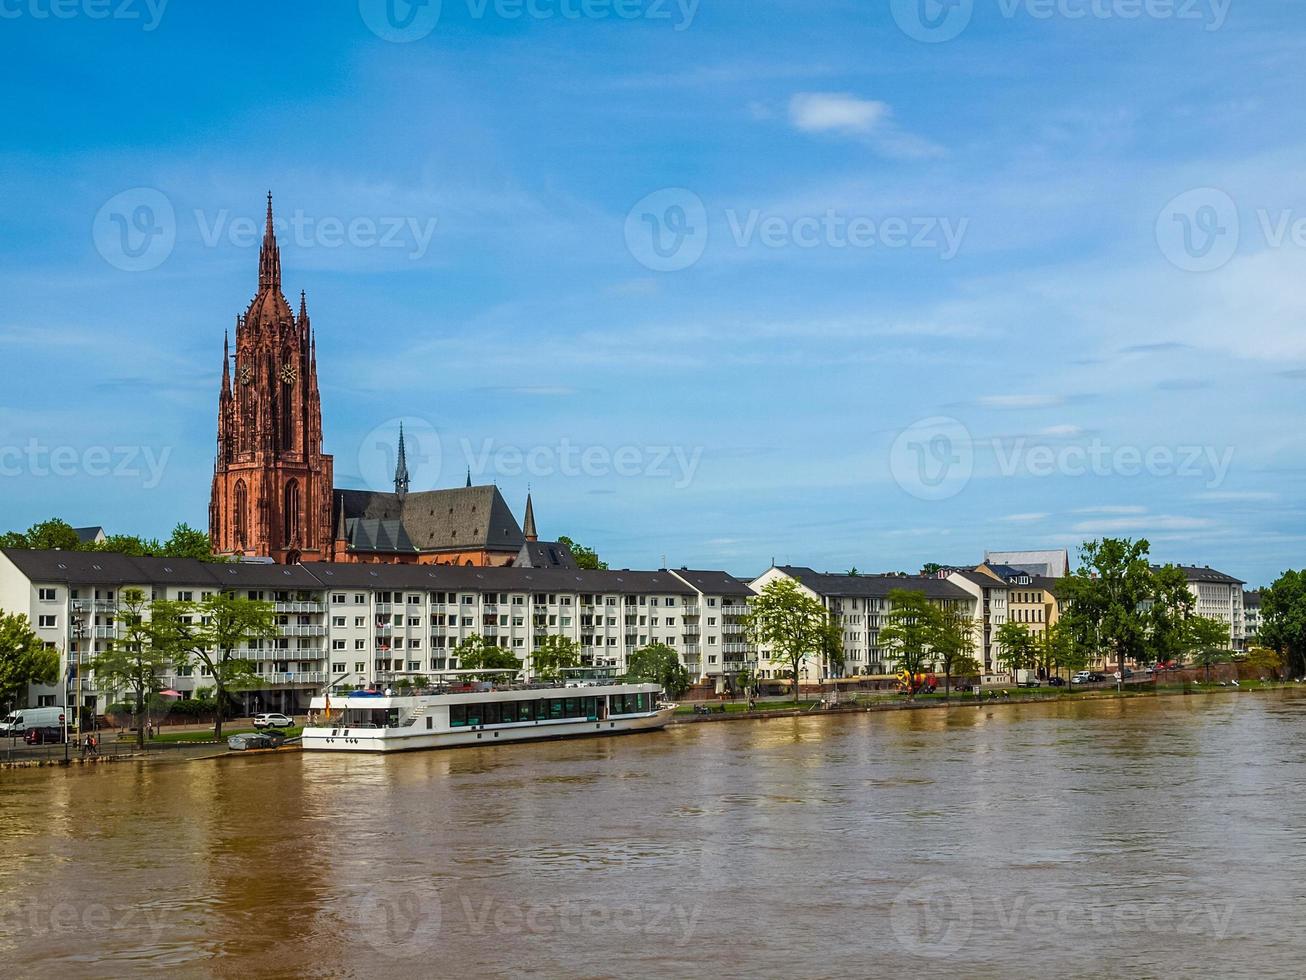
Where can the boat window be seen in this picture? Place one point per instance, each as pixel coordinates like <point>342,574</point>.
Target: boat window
<point>457,715</point>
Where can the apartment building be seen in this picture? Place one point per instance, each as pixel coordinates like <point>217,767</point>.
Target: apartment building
<point>1251,616</point>
<point>347,624</point>
<point>992,599</point>
<point>1219,596</point>
<point>861,605</point>
<point>1032,598</point>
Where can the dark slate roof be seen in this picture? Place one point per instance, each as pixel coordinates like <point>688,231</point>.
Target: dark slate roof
<point>95,568</point>
<point>507,578</point>
<point>88,534</point>
<point>981,579</point>
<point>1252,598</point>
<point>460,519</point>
<point>1048,584</point>
<point>1008,572</point>
<point>369,534</point>
<point>545,554</point>
<point>714,583</point>
<point>873,586</point>
<point>1205,573</point>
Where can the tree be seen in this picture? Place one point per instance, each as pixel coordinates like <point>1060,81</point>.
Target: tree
<point>124,544</point>
<point>1283,620</point>
<point>1171,604</point>
<point>478,653</point>
<point>789,622</point>
<point>51,534</point>
<point>134,659</point>
<point>833,658</point>
<point>553,655</point>
<point>188,542</point>
<point>1207,640</point>
<point>965,665</point>
<point>1108,597</point>
<point>1265,662</point>
<point>911,631</point>
<point>585,557</point>
<point>225,624</point>
<point>953,641</point>
<point>24,660</point>
<point>931,569</point>
<point>1061,650</point>
<point>1016,648</point>
<point>659,664</point>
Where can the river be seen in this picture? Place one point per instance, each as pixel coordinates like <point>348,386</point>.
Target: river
<point>1147,837</point>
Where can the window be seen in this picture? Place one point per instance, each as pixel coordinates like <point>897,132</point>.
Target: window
<point>337,644</point>
<point>337,598</point>
<point>337,668</point>
<point>46,622</point>
<point>49,595</point>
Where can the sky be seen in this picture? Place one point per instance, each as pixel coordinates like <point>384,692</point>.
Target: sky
<point>839,284</point>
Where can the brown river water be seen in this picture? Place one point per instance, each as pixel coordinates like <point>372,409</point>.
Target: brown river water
<point>1141,838</point>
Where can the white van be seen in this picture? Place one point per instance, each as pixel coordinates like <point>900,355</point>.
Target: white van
<point>18,722</point>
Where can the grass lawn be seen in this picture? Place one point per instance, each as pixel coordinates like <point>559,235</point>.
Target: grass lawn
<point>734,707</point>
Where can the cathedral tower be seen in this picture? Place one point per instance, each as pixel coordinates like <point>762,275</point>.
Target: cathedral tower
<point>272,485</point>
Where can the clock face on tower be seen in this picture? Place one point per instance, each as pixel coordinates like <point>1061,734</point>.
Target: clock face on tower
<point>288,374</point>
<point>246,375</point>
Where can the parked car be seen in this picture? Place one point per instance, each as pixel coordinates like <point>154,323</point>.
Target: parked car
<point>1030,682</point>
<point>1128,674</point>
<point>1087,677</point>
<point>273,720</point>
<point>45,735</point>
<point>1057,681</point>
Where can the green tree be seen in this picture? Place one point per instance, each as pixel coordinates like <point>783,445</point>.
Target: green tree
<point>187,542</point>
<point>585,557</point>
<point>134,660</point>
<point>124,544</point>
<point>1283,620</point>
<point>833,658</point>
<point>477,653</point>
<point>965,665</point>
<point>910,632</point>
<point>659,664</point>
<point>1207,641</point>
<point>1060,650</point>
<point>953,641</point>
<point>51,534</point>
<point>1017,648</point>
<point>788,622</point>
<point>24,660</point>
<point>212,631</point>
<point>1265,662</point>
<point>1170,606</point>
<point>553,655</point>
<point>1108,597</point>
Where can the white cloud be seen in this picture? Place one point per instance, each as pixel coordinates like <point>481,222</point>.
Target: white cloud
<point>1024,518</point>
<point>1061,431</point>
<point>1161,522</point>
<point>1019,401</point>
<point>1113,509</point>
<point>1233,496</point>
<point>822,112</point>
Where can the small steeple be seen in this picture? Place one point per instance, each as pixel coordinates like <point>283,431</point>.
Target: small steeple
<point>528,527</point>
<point>401,467</point>
<point>226,362</point>
<point>469,476</point>
<point>269,256</point>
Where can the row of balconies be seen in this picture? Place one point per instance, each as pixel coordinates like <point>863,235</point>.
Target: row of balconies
<point>301,631</point>
<point>300,606</point>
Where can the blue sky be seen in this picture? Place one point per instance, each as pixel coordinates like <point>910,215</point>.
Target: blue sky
<point>911,296</point>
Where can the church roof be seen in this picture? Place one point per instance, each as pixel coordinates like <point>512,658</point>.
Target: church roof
<point>460,519</point>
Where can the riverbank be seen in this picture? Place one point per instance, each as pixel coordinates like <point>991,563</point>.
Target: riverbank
<point>959,702</point>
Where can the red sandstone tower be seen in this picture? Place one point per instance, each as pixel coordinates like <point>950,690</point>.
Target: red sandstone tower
<point>272,485</point>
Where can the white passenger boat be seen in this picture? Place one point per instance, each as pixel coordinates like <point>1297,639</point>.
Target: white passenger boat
<point>480,713</point>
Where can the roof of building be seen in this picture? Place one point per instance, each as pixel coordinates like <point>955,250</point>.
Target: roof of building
<point>872,586</point>
<point>1251,598</point>
<point>980,578</point>
<point>1054,564</point>
<point>87,535</point>
<point>1205,573</point>
<point>458,519</point>
<point>96,568</point>
<point>545,554</point>
<point>714,583</point>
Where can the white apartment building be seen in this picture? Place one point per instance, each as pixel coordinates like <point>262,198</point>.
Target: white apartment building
<point>992,609</point>
<point>350,624</point>
<point>1219,596</point>
<point>1251,615</point>
<point>861,605</point>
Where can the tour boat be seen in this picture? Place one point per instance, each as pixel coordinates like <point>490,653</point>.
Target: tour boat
<point>480,713</point>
